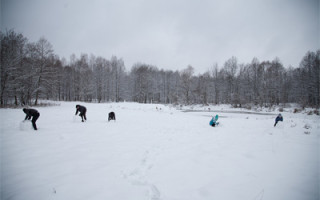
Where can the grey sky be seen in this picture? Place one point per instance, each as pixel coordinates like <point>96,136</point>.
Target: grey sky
<point>170,34</point>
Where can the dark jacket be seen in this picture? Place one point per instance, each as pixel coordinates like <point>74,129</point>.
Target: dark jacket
<point>81,109</point>
<point>279,118</point>
<point>30,113</point>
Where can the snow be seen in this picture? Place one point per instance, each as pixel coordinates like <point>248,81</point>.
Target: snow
<point>154,152</point>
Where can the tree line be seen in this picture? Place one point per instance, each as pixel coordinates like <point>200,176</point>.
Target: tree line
<point>31,71</point>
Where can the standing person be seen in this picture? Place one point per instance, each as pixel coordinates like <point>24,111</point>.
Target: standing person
<point>279,118</point>
<point>82,111</point>
<point>32,113</point>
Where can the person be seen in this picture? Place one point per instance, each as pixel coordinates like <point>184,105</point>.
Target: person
<point>213,122</point>
<point>32,113</point>
<point>279,118</point>
<point>82,111</point>
<point>112,116</point>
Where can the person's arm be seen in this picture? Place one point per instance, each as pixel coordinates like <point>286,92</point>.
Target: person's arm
<point>28,116</point>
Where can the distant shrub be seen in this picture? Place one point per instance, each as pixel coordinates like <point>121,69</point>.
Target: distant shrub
<point>271,108</point>
<point>280,109</point>
<point>316,112</point>
<point>47,104</point>
<point>296,110</point>
<point>41,104</point>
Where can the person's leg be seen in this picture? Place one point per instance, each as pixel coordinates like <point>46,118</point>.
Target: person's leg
<point>34,119</point>
<point>81,115</point>
<point>84,115</point>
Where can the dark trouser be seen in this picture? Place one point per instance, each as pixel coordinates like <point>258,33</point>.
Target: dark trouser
<point>34,119</point>
<point>83,116</point>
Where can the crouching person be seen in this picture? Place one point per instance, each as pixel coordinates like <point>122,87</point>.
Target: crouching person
<point>279,118</point>
<point>213,122</point>
<point>82,111</point>
<point>112,116</point>
<point>32,113</point>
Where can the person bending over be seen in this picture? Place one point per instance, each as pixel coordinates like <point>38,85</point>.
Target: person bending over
<point>82,111</point>
<point>32,113</point>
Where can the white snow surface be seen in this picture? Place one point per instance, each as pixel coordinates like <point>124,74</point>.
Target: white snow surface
<point>154,152</point>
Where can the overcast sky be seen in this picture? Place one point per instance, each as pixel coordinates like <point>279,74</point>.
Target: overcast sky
<point>170,34</point>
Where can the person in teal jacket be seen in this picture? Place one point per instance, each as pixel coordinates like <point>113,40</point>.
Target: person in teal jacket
<point>213,122</point>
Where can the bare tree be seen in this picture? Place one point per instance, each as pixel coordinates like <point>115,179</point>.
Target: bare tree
<point>203,86</point>
<point>230,69</point>
<point>98,73</point>
<point>12,57</point>
<point>142,82</point>
<point>186,83</point>
<point>117,67</point>
<point>40,54</point>
<point>310,77</point>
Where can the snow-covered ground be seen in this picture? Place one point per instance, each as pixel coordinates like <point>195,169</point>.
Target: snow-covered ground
<point>155,152</point>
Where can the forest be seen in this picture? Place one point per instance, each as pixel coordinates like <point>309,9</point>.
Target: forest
<point>31,71</point>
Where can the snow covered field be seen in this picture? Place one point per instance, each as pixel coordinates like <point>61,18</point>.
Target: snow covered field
<point>153,154</point>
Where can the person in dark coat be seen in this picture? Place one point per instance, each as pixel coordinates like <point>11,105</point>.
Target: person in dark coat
<point>32,113</point>
<point>279,118</point>
<point>112,116</point>
<point>82,111</point>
